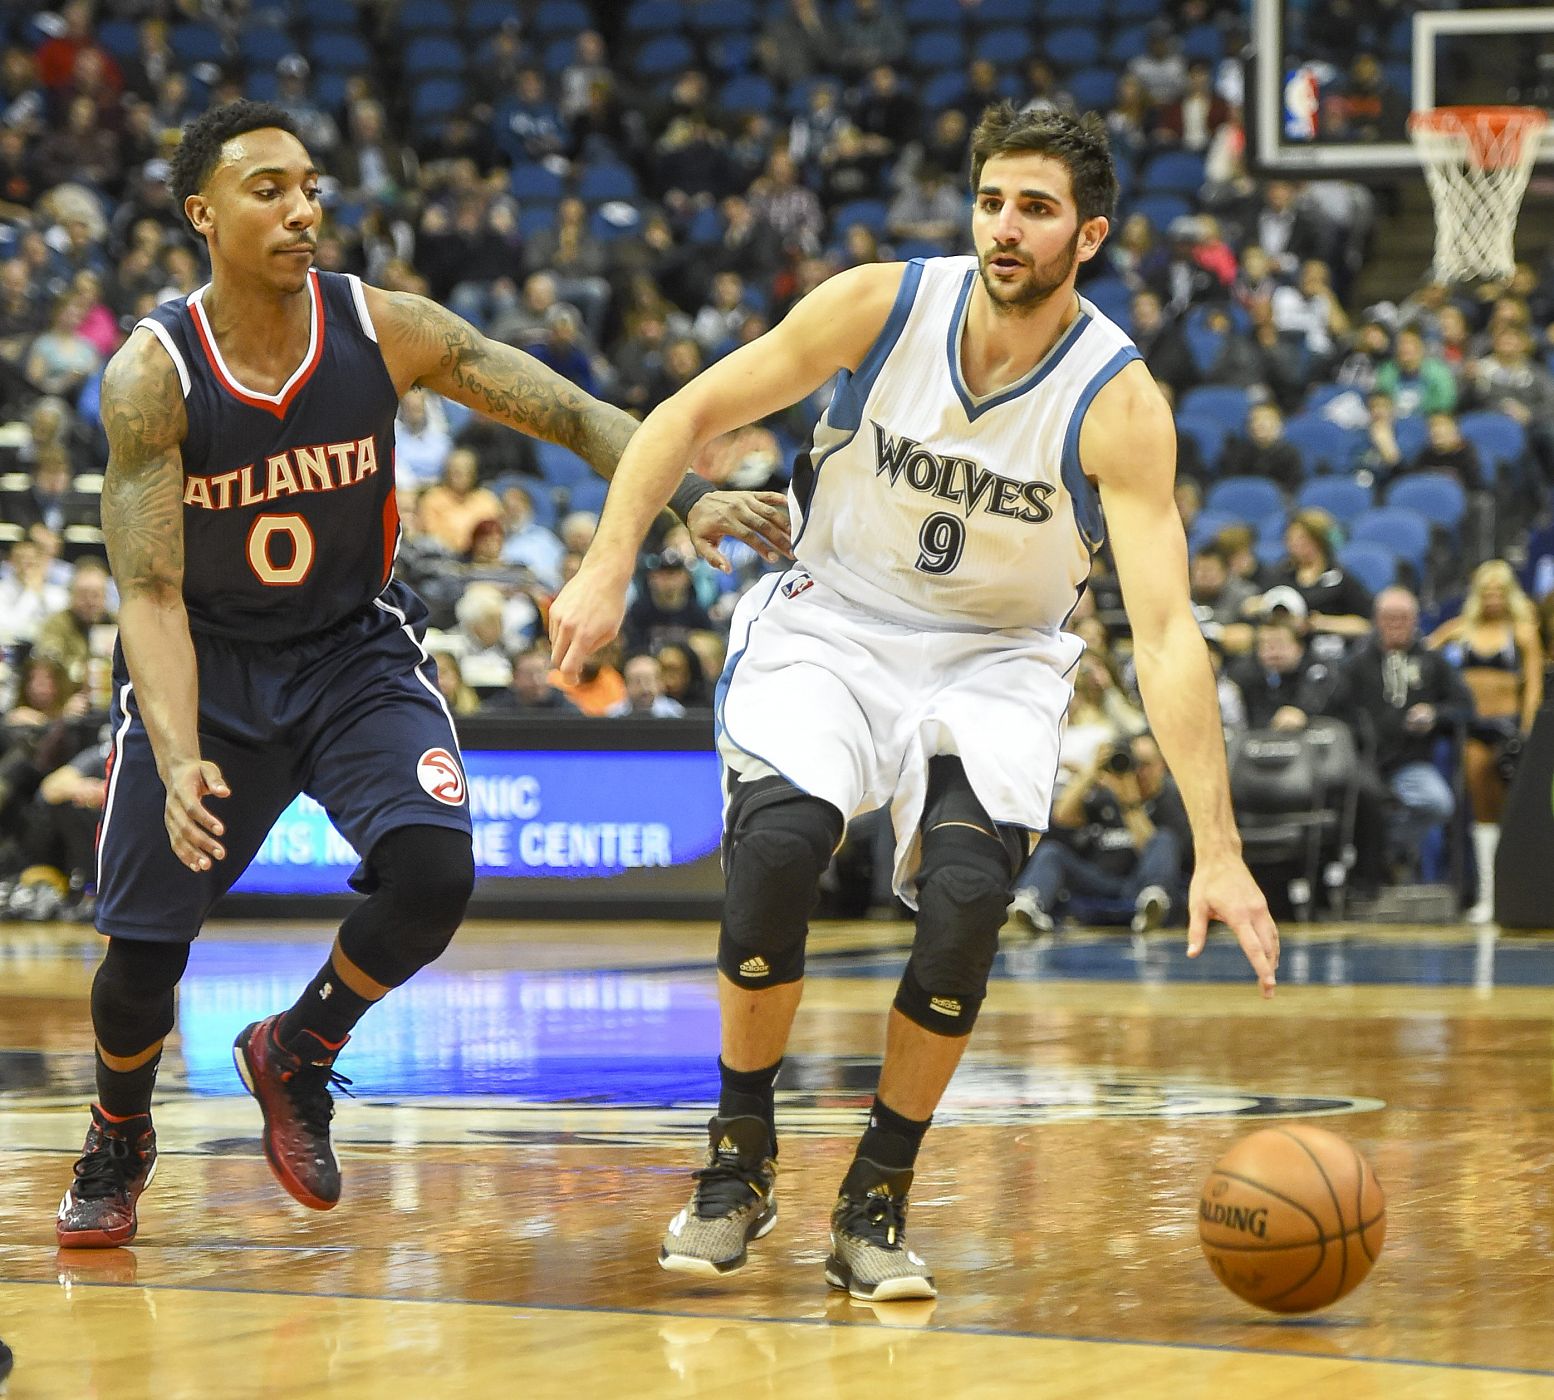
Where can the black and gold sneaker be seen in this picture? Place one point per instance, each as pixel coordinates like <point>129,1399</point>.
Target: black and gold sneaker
<point>869,1254</point>
<point>734,1201</point>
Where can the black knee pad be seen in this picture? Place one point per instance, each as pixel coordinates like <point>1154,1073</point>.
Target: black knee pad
<point>962,893</point>
<point>778,845</point>
<point>132,994</point>
<point>418,881</point>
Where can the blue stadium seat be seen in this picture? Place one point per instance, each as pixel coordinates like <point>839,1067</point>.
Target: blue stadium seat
<point>749,92</point>
<point>538,216</point>
<point>706,226</point>
<point>1073,47</point>
<point>923,14</point>
<point>732,53</point>
<point>263,48</point>
<point>1208,433</point>
<point>1240,318</point>
<point>329,89</point>
<point>944,90</point>
<point>1405,532</point>
<point>1126,45</point>
<point>654,17</point>
<point>1323,446</point>
<point>1112,297</point>
<point>1499,438</point>
<point>1123,11</point>
<point>1005,47</point>
<point>663,55</point>
<point>909,248</point>
<point>1001,12</point>
<point>599,183</point>
<point>535,182</point>
<point>1437,496</point>
<point>429,55</point>
<point>262,86</point>
<point>868,212</point>
<point>1205,41</point>
<point>487,16</point>
<point>724,17</point>
<point>1342,497</point>
<point>1057,13</point>
<point>1226,402</point>
<point>1093,88</point>
<point>121,37</point>
<point>569,17</point>
<point>1205,345</point>
<point>1159,209</point>
<point>197,43</point>
<point>936,49</point>
<point>339,51</point>
<point>427,17</point>
<point>1320,395</point>
<point>1373,563</point>
<point>1248,498</point>
<point>332,14</point>
<point>559,466</point>
<point>1173,172</point>
<point>435,98</point>
<point>1206,525</point>
<point>1269,544</point>
<point>589,494</point>
<point>1413,435</point>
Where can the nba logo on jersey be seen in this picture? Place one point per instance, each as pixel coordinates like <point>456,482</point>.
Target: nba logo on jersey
<point>792,587</point>
<point>439,773</point>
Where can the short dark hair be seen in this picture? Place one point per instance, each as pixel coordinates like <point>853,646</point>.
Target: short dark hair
<point>203,138</point>
<point>1078,142</point>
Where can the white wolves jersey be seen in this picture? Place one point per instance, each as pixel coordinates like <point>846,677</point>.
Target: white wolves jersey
<point>927,504</point>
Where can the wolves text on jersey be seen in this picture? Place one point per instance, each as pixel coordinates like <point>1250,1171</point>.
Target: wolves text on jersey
<point>959,480</point>
<point>326,467</point>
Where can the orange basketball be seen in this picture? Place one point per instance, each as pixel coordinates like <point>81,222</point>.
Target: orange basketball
<point>1291,1219</point>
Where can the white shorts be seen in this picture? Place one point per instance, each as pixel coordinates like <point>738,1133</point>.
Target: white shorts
<point>849,707</point>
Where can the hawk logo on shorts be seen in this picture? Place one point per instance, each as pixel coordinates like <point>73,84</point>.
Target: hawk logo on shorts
<point>439,773</point>
<point>791,588</point>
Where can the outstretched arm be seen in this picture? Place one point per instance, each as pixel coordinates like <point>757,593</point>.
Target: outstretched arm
<point>426,344</point>
<point>142,515</point>
<point>1127,443</point>
<point>830,329</point>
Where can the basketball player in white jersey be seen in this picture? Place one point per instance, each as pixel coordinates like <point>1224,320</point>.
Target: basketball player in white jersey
<point>914,654</point>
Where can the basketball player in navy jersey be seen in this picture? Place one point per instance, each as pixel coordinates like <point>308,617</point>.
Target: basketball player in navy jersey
<point>266,648</point>
<point>914,654</point>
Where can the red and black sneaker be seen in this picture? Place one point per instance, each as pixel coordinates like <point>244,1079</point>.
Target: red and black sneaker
<point>293,1094</point>
<point>115,1166</point>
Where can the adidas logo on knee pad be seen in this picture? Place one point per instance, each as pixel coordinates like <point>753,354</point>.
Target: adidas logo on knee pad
<point>945,1006</point>
<point>754,967</point>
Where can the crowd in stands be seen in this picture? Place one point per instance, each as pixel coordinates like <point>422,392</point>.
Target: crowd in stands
<point>630,190</point>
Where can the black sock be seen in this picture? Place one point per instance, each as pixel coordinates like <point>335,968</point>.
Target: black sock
<point>890,1139</point>
<point>125,1093</point>
<point>327,1008</point>
<point>747,1093</point>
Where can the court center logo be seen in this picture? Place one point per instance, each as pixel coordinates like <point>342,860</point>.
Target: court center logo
<point>439,774</point>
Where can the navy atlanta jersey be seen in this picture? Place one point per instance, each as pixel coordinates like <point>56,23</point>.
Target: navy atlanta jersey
<point>289,516</point>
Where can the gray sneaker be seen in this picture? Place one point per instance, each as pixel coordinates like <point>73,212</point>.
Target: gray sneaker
<point>869,1254</point>
<point>1026,914</point>
<point>733,1203</point>
<point>1150,909</point>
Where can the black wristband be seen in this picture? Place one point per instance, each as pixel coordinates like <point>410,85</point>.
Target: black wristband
<point>687,493</point>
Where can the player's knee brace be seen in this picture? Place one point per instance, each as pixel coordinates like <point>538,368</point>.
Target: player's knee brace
<point>779,843</point>
<point>420,879</point>
<point>962,893</point>
<point>132,994</point>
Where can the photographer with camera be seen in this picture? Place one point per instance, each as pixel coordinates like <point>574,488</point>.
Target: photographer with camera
<point>1118,839</point>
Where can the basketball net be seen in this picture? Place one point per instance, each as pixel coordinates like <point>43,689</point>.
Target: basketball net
<point>1477,161</point>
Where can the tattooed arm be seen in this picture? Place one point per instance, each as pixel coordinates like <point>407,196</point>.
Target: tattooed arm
<point>425,344</point>
<point>142,515</point>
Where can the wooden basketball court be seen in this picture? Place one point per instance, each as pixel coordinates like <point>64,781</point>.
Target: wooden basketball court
<point>530,1108</point>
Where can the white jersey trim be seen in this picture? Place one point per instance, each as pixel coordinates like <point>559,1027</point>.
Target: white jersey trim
<point>359,298</point>
<point>161,333</point>
<point>116,763</point>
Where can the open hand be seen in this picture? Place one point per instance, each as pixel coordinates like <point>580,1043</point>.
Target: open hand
<point>192,827</point>
<point>1223,888</point>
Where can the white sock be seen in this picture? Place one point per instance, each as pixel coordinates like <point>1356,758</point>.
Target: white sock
<point>1486,841</point>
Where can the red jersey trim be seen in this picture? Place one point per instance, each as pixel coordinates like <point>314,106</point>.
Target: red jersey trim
<point>270,403</point>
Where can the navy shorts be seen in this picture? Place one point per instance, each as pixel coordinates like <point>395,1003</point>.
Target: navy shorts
<point>351,716</point>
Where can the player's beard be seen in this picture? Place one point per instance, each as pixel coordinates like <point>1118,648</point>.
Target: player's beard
<point>1041,280</point>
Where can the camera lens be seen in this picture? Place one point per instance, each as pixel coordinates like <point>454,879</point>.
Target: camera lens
<point>1120,761</point>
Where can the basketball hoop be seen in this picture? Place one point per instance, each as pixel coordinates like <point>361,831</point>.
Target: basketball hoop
<point>1477,161</point>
